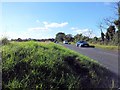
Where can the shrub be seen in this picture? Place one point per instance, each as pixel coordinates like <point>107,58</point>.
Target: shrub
<point>5,41</point>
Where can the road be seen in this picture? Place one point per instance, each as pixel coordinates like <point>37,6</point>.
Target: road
<point>108,59</point>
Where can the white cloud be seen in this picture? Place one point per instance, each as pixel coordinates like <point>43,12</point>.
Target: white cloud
<point>38,29</point>
<point>37,21</point>
<point>40,32</point>
<point>54,25</point>
<point>47,26</point>
<point>84,32</point>
<point>73,28</point>
<point>45,23</point>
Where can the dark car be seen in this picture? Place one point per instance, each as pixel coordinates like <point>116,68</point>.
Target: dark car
<point>82,44</point>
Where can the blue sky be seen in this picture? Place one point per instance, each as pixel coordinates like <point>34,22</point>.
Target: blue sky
<point>45,19</point>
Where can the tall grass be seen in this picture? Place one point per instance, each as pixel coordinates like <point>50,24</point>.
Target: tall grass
<point>35,65</point>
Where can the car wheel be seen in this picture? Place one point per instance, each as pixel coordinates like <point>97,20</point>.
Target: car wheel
<point>77,45</point>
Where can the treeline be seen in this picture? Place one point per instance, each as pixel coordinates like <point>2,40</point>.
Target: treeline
<point>110,37</point>
<point>5,41</point>
<point>29,39</point>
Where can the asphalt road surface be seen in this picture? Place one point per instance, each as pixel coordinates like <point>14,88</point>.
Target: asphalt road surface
<point>109,59</point>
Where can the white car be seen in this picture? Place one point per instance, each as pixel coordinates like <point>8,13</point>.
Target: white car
<point>65,42</point>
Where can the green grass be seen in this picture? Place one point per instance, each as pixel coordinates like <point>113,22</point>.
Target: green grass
<point>48,65</point>
<point>107,47</point>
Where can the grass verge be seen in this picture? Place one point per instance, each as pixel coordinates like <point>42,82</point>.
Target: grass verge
<point>35,65</point>
<point>107,47</point>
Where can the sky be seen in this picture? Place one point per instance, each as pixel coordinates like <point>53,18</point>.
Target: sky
<point>42,20</point>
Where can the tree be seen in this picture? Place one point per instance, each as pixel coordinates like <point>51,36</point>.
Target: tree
<point>101,27</point>
<point>117,23</point>
<point>78,37</point>
<point>117,7</point>
<point>5,41</point>
<point>102,36</point>
<point>111,31</point>
<point>60,36</point>
<point>109,21</point>
<point>107,36</point>
<point>19,39</point>
<point>85,38</point>
<point>95,38</point>
<point>69,37</point>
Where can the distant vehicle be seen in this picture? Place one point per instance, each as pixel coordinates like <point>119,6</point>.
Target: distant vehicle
<point>65,42</point>
<point>82,44</point>
<point>56,41</point>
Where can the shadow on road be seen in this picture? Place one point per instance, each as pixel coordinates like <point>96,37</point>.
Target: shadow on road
<point>90,46</point>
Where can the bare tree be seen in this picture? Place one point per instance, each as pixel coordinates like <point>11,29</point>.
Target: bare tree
<point>109,21</point>
<point>117,8</point>
<point>101,27</point>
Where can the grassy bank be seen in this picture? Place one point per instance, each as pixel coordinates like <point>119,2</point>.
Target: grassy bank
<point>48,65</point>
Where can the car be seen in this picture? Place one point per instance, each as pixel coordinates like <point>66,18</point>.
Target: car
<point>82,44</point>
<point>55,41</point>
<point>65,42</point>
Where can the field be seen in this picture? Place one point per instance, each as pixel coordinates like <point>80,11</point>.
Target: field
<point>35,65</point>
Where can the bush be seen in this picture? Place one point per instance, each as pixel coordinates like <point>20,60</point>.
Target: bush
<point>5,41</point>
